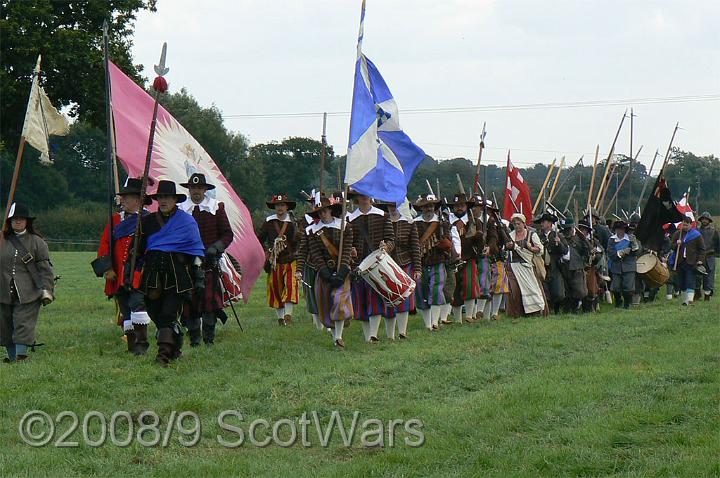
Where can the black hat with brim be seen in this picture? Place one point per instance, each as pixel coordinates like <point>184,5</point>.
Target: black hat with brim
<point>546,216</point>
<point>197,180</point>
<point>168,188</point>
<point>20,211</point>
<point>133,186</point>
<point>335,208</point>
<point>620,225</point>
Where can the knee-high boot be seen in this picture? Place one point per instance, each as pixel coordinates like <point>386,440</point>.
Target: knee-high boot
<point>141,344</point>
<point>209,321</point>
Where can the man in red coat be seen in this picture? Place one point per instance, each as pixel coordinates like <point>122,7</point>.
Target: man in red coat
<point>134,323</point>
<point>207,305</point>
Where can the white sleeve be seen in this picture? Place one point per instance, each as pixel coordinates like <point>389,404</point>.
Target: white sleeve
<point>455,236</point>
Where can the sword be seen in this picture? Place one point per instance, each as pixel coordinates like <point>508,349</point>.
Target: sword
<point>223,290</point>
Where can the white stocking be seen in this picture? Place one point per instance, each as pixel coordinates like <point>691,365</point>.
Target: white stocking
<point>339,324</point>
<point>470,308</point>
<point>435,314</point>
<point>426,317</point>
<point>390,328</point>
<point>457,313</point>
<point>374,325</point>
<point>402,322</point>
<point>366,330</point>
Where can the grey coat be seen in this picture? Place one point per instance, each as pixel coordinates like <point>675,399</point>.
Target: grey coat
<point>13,269</point>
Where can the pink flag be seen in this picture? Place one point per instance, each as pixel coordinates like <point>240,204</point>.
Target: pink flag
<point>176,155</point>
<point>684,207</point>
<point>517,194</point>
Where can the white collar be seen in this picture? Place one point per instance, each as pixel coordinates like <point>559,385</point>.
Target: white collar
<point>208,204</point>
<point>617,239</point>
<point>453,218</point>
<point>275,217</point>
<point>314,228</point>
<point>357,213</point>
<point>421,219</point>
<point>403,218</point>
<point>21,233</point>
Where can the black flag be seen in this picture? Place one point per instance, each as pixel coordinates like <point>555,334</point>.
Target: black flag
<point>659,209</point>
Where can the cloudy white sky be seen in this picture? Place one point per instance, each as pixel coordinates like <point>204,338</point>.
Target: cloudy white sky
<point>255,57</point>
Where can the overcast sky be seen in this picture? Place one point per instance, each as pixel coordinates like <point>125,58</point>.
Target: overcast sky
<point>253,57</point>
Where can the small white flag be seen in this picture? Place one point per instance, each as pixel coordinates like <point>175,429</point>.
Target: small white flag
<point>42,119</point>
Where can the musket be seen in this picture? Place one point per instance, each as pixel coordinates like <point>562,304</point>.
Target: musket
<point>482,147</point>
<point>160,86</point>
<point>472,229</point>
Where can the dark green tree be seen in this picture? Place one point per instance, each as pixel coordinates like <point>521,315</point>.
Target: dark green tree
<point>68,34</point>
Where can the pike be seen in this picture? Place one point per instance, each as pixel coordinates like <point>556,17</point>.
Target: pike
<point>160,86</point>
<point>627,174</point>
<point>592,180</point>
<point>567,178</point>
<point>430,189</point>
<point>542,189</point>
<point>482,147</point>
<point>645,181</point>
<point>471,230</point>
<point>608,162</point>
<point>551,195</point>
<point>572,192</point>
<point>323,151</point>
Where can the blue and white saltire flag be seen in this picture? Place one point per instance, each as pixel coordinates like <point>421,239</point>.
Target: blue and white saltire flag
<point>381,158</point>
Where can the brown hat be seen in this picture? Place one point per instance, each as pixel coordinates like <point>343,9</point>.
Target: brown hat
<point>325,202</point>
<point>461,198</point>
<point>280,198</point>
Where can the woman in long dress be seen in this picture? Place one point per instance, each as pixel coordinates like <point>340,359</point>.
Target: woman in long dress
<point>526,292</point>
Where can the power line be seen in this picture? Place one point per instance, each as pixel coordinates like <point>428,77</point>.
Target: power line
<point>507,107</point>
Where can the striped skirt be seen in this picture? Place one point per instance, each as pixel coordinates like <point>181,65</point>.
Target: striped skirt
<point>282,286</point>
<point>333,304</point>
<point>408,304</point>
<point>365,301</point>
<point>309,276</point>
<point>467,284</point>
<point>430,290</point>
<point>499,283</point>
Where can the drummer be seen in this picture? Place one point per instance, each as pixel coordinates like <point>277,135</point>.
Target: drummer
<point>436,252</point>
<point>406,254</point>
<point>371,230</point>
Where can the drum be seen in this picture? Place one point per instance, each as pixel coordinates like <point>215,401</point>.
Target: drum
<point>652,270</point>
<point>386,278</point>
<point>231,279</point>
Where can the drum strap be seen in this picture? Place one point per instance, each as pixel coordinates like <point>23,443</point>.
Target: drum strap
<point>332,250</point>
<point>429,232</point>
<point>281,231</point>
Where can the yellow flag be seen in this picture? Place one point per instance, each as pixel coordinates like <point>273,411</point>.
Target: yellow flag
<point>42,119</point>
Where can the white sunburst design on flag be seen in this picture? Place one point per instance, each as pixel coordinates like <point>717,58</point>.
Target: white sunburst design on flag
<point>177,155</point>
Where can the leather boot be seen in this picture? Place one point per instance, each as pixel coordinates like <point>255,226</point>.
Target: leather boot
<point>617,298</point>
<point>195,337</point>
<point>208,328</point>
<point>287,319</point>
<point>628,297</point>
<point>141,344</point>
<point>130,335</point>
<point>166,346</point>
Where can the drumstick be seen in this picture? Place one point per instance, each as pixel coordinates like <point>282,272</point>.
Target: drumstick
<point>677,253</point>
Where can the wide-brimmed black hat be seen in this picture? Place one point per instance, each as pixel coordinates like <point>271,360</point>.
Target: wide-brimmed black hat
<point>167,188</point>
<point>352,194</point>
<point>620,225</point>
<point>280,198</point>
<point>461,198</point>
<point>134,186</point>
<point>546,216</point>
<point>19,211</point>
<point>585,225</point>
<point>567,223</point>
<point>383,204</point>
<point>197,180</point>
<point>335,207</point>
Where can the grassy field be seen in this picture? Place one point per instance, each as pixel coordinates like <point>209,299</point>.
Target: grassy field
<point>619,393</point>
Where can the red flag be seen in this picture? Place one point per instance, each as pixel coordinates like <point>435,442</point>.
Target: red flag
<point>684,207</point>
<point>176,155</point>
<point>517,194</point>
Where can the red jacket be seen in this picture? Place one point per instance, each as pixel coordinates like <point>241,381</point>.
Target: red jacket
<point>121,254</point>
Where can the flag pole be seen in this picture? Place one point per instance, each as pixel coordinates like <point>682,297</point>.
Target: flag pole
<point>160,86</point>
<point>323,149</point>
<point>14,182</point>
<point>109,143</point>
<point>645,181</point>
<point>346,187</point>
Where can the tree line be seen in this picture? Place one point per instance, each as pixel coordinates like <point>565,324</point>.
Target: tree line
<point>71,195</point>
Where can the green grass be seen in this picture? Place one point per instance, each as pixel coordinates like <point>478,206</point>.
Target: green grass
<point>618,393</point>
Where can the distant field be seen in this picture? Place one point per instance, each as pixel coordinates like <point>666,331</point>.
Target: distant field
<point>618,393</point>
